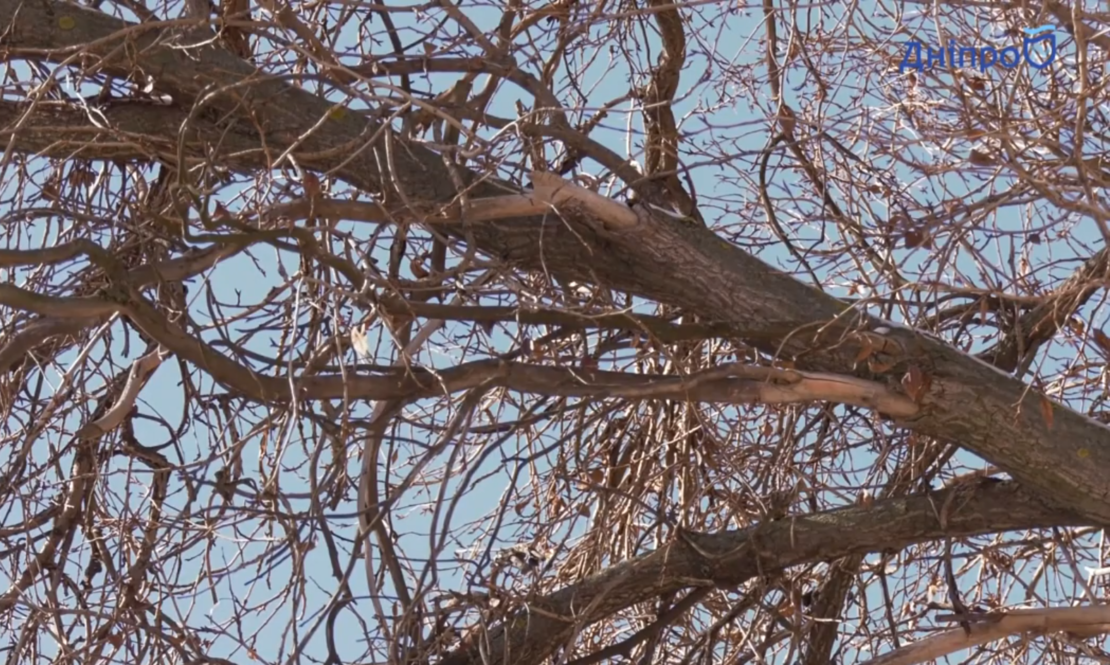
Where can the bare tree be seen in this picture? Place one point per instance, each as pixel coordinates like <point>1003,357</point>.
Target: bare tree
<point>573,332</point>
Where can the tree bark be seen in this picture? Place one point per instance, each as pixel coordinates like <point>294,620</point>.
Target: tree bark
<point>1057,452</point>
<point>731,558</point>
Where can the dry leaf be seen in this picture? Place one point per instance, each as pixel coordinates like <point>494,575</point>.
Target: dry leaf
<point>358,341</point>
<point>866,349</point>
<point>916,383</point>
<point>1046,411</point>
<point>50,191</point>
<point>1102,340</point>
<point>865,499</point>
<point>80,177</point>
<point>980,158</point>
<point>787,122</point>
<point>793,51</point>
<point>914,238</point>
<point>311,185</point>
<point>221,214</point>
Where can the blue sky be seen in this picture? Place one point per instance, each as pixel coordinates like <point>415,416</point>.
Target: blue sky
<point>722,119</point>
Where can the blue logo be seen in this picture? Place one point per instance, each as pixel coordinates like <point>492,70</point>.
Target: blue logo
<point>1038,30</point>
<point>987,56</point>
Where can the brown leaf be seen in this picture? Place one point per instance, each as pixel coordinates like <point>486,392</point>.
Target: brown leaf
<point>793,51</point>
<point>916,383</point>
<point>79,177</point>
<point>312,187</point>
<point>865,499</point>
<point>417,268</point>
<point>1101,340</point>
<point>980,158</point>
<point>50,190</point>
<point>914,238</point>
<point>866,349</point>
<point>597,476</point>
<point>1046,411</point>
<point>221,214</point>
<point>787,122</point>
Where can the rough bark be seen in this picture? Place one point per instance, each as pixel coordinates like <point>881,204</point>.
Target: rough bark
<point>731,558</point>
<point>1059,453</point>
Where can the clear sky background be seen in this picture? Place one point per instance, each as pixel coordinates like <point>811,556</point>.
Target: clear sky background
<point>726,125</point>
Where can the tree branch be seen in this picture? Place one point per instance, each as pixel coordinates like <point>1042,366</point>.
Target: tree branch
<point>731,558</point>
<point>988,627</point>
<point>967,401</point>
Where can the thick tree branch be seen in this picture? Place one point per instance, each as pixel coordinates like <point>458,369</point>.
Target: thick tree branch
<point>967,401</point>
<point>733,383</point>
<point>1040,324</point>
<point>729,559</point>
<point>992,626</point>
